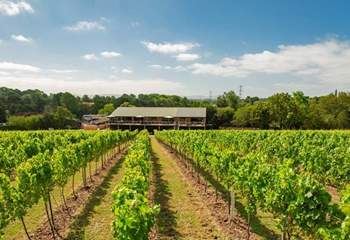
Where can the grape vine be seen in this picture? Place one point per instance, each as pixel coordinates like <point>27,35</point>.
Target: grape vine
<point>134,215</point>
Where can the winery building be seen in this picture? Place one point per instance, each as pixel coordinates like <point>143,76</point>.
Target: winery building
<point>158,118</point>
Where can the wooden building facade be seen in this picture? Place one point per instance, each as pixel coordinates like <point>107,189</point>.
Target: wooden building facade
<point>157,118</point>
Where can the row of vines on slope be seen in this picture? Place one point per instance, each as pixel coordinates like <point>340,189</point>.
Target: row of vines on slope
<point>325,154</point>
<point>134,215</point>
<point>36,177</point>
<point>252,164</point>
<point>17,147</point>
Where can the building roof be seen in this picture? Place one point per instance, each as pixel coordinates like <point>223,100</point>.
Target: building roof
<point>159,112</point>
<point>94,119</point>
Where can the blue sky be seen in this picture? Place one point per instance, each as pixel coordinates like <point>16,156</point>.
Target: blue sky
<point>185,47</point>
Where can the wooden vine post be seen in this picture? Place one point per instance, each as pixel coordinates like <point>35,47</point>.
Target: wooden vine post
<point>232,209</point>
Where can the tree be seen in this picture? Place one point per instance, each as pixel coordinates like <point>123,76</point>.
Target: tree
<point>33,122</point>
<point>3,114</point>
<point>255,115</point>
<point>211,115</point>
<point>126,104</point>
<point>17,101</point>
<point>284,112</point>
<point>329,112</point>
<point>86,98</point>
<point>70,102</point>
<point>251,100</point>
<point>60,117</point>
<point>126,98</point>
<point>280,111</point>
<point>228,99</point>
<point>262,114</point>
<point>107,109</point>
<point>302,107</point>
<point>243,116</point>
<point>34,101</point>
<point>314,116</point>
<point>224,116</point>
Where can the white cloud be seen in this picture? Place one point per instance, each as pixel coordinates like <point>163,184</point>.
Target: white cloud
<point>85,26</point>
<point>4,73</point>
<point>178,68</point>
<point>9,66</point>
<point>10,8</point>
<point>135,24</point>
<point>63,71</point>
<point>126,70</point>
<point>21,38</point>
<point>90,86</point>
<point>90,57</point>
<point>187,57</point>
<point>169,48</point>
<point>103,19</point>
<point>107,54</point>
<point>156,66</point>
<point>22,76</point>
<point>327,61</point>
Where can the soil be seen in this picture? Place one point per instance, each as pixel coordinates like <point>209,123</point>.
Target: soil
<point>333,191</point>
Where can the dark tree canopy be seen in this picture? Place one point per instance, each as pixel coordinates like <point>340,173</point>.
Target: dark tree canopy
<point>3,114</point>
<point>279,111</point>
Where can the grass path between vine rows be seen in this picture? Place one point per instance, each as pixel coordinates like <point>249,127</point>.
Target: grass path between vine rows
<point>94,222</point>
<point>183,214</point>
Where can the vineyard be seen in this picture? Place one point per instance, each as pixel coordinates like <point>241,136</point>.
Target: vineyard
<point>285,173</point>
<point>164,186</point>
<point>34,163</point>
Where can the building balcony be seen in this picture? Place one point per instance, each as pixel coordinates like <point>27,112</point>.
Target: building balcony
<point>157,123</point>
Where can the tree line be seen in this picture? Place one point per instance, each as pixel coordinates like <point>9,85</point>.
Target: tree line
<point>34,109</point>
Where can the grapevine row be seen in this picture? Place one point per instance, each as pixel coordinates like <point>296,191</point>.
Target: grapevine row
<point>18,147</point>
<point>325,154</point>
<point>134,216</point>
<point>300,203</point>
<point>38,176</point>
